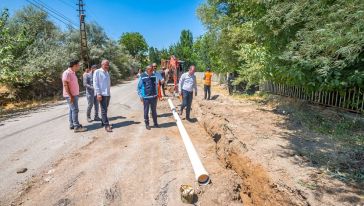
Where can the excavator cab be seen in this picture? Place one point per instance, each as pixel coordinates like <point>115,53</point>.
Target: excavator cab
<point>173,69</point>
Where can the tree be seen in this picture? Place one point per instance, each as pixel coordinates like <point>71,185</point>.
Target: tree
<point>34,52</point>
<point>135,44</point>
<point>184,48</point>
<point>154,55</point>
<point>314,44</point>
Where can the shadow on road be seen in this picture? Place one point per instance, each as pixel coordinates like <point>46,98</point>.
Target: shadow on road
<point>116,118</point>
<point>214,97</point>
<point>168,124</point>
<point>124,124</point>
<point>165,115</point>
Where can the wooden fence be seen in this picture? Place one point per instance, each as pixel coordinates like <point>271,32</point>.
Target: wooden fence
<point>352,99</point>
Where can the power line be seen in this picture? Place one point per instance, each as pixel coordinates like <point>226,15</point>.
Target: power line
<point>39,2</point>
<point>68,4</point>
<point>39,7</point>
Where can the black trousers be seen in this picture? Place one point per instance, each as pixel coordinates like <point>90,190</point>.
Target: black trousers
<point>104,104</point>
<point>207,91</point>
<point>163,91</point>
<point>152,103</point>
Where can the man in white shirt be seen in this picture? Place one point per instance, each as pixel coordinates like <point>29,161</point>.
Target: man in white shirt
<point>187,83</point>
<point>102,83</point>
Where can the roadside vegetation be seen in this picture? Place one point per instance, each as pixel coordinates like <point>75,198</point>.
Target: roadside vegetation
<point>330,140</point>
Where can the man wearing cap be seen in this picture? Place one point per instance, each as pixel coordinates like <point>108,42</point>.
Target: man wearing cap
<point>90,94</point>
<point>207,83</point>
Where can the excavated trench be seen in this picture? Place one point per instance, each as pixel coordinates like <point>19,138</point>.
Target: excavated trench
<point>256,188</point>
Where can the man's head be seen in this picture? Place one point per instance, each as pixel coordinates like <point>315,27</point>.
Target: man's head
<point>208,69</point>
<point>87,70</point>
<point>149,70</point>
<point>93,67</point>
<point>154,66</point>
<point>192,69</point>
<point>105,64</point>
<point>74,65</point>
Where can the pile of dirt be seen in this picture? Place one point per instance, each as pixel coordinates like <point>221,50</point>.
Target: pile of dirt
<point>257,189</point>
<point>251,139</point>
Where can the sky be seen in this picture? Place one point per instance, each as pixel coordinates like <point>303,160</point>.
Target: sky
<point>159,21</point>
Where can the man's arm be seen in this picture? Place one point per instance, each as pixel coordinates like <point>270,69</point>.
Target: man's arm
<point>195,85</point>
<point>66,86</point>
<point>181,80</point>
<point>95,81</point>
<point>85,83</point>
<point>139,88</point>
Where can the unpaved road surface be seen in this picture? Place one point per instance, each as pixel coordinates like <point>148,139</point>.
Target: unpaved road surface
<point>247,148</point>
<point>130,166</point>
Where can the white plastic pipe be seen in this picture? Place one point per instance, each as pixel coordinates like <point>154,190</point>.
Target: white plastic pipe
<point>201,174</point>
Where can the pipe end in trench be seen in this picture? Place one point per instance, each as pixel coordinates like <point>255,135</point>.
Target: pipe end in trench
<point>203,179</point>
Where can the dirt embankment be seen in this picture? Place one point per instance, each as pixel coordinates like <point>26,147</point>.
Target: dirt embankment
<point>250,140</point>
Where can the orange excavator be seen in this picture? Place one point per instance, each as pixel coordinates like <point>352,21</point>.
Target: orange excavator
<point>173,69</point>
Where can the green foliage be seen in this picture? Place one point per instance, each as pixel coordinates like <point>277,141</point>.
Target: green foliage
<point>135,44</point>
<point>183,50</point>
<point>154,55</point>
<point>314,44</point>
<point>34,53</point>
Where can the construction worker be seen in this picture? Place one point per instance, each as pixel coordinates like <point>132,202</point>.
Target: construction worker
<point>148,91</point>
<point>102,83</point>
<point>90,93</point>
<point>187,84</point>
<point>207,83</point>
<point>71,91</point>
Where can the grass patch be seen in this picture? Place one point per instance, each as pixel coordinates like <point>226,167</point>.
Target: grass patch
<point>332,140</point>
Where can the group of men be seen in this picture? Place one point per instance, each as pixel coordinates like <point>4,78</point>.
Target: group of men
<point>97,83</point>
<point>148,90</point>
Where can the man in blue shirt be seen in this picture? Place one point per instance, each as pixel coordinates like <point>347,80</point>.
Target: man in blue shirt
<point>148,92</point>
<point>102,83</point>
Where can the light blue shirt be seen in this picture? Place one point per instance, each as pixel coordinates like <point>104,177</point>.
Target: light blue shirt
<point>159,76</point>
<point>187,82</point>
<point>101,82</point>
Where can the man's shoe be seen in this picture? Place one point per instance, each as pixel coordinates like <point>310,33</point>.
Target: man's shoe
<point>108,128</point>
<point>147,127</point>
<point>72,127</point>
<point>89,119</point>
<point>97,119</point>
<point>157,126</point>
<point>80,129</point>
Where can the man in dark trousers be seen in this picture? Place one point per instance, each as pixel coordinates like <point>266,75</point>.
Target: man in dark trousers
<point>148,92</point>
<point>207,83</point>
<point>90,93</point>
<point>230,81</point>
<point>187,84</point>
<point>102,83</point>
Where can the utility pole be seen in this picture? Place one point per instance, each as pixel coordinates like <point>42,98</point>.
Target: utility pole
<point>83,37</point>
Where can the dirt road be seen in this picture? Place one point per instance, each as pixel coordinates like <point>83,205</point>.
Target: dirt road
<point>252,156</point>
<point>131,166</point>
